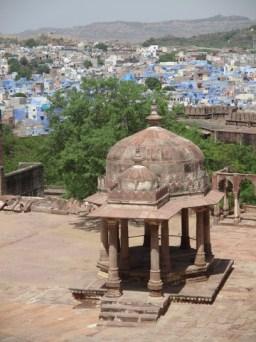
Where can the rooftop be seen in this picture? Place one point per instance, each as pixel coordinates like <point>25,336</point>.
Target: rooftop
<point>43,255</point>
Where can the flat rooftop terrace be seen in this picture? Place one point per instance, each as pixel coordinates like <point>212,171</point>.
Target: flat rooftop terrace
<point>42,255</point>
<point>219,125</point>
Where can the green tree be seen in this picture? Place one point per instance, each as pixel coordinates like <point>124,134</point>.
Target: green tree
<point>104,112</point>
<point>101,46</point>
<point>167,57</point>
<point>87,64</point>
<point>42,69</point>
<point>100,61</point>
<point>31,42</point>
<point>24,61</point>
<point>153,83</point>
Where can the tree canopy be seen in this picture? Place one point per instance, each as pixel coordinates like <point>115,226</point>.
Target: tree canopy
<point>98,116</point>
<point>153,83</point>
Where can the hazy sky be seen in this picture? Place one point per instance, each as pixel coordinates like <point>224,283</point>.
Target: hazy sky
<point>19,15</point>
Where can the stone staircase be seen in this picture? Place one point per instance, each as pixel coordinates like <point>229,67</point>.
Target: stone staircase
<point>126,312</point>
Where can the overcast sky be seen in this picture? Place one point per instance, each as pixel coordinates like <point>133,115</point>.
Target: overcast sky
<point>20,15</point>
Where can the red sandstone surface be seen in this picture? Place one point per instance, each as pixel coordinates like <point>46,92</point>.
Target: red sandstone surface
<point>43,255</point>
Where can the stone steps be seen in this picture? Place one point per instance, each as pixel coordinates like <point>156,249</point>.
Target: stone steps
<point>130,308</point>
<point>126,312</point>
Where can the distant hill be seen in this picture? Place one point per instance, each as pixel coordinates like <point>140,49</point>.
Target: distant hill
<point>139,32</point>
<point>242,38</point>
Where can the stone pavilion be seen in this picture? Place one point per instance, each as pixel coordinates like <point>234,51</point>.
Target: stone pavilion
<point>151,176</point>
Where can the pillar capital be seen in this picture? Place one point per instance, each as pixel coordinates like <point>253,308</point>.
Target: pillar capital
<point>201,209</point>
<point>111,222</point>
<point>153,222</point>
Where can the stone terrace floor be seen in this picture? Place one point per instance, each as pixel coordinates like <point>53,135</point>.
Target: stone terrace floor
<point>42,255</point>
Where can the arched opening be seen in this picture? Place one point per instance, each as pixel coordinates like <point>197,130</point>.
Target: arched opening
<point>247,193</point>
<point>227,203</point>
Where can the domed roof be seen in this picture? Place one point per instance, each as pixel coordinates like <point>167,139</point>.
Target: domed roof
<point>138,178</point>
<point>174,160</point>
<point>162,144</point>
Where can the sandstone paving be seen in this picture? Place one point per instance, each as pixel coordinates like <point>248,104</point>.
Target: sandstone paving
<point>42,255</point>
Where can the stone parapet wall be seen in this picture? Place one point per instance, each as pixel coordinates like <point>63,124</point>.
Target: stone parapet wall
<point>241,118</point>
<point>208,112</point>
<point>236,137</point>
<point>27,180</point>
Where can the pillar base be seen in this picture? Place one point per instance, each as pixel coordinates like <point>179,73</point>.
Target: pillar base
<point>103,265</point>
<point>200,260</point>
<point>155,288</point>
<point>113,293</point>
<point>155,294</point>
<point>157,284</point>
<point>237,220</point>
<point>113,289</point>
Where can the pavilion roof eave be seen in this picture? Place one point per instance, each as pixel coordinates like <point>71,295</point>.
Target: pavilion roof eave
<point>167,211</point>
<point>99,198</point>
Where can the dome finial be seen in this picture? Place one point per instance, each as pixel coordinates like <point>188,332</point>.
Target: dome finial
<point>138,158</point>
<point>154,118</point>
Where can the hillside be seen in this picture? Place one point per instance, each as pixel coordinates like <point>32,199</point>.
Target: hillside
<point>235,38</point>
<point>138,31</point>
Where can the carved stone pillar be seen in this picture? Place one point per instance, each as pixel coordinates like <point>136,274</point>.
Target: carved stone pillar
<point>236,208</point>
<point>185,241</point>
<point>113,283</point>
<point>104,248</point>
<point>165,251</point>
<point>124,253</point>
<point>146,242</point>
<point>200,253</point>
<point>207,235</point>
<point>155,283</point>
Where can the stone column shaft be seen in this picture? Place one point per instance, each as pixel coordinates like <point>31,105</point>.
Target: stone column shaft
<point>104,242</point>
<point>200,253</point>
<point>165,251</point>
<point>146,242</point>
<point>236,208</point>
<point>207,236</point>
<point>124,253</point>
<point>185,241</point>
<point>155,283</point>
<point>113,282</point>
